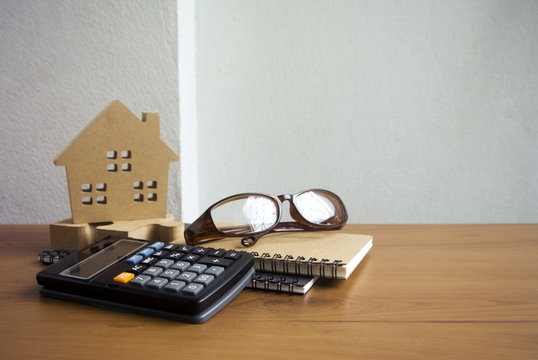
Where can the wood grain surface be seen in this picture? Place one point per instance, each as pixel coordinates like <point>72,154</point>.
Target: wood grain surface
<point>424,291</point>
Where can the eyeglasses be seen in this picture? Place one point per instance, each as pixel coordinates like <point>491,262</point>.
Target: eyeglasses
<point>252,215</point>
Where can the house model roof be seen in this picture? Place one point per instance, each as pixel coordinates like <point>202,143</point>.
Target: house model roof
<point>117,120</point>
<point>117,167</point>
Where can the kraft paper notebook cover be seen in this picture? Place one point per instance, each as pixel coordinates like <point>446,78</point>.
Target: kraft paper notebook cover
<point>327,254</point>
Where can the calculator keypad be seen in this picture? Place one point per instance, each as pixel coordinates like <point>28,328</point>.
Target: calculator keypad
<point>176,268</point>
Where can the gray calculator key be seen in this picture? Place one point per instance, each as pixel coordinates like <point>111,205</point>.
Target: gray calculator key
<point>170,274</point>
<point>140,280</point>
<point>157,283</point>
<point>187,276</point>
<point>204,279</point>
<point>164,263</point>
<point>198,268</point>
<point>215,270</point>
<point>175,286</point>
<point>193,289</point>
<point>181,265</point>
<point>153,271</point>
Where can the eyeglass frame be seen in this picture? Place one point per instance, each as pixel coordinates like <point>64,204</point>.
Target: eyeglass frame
<point>204,229</point>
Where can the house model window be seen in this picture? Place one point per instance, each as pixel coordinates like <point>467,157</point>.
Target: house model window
<point>120,162</point>
<point>88,194</point>
<point>106,181</point>
<point>147,192</point>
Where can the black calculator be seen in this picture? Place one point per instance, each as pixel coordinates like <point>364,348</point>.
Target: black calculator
<point>173,281</point>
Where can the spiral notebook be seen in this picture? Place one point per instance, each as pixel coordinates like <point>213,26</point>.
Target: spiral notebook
<point>292,284</point>
<point>327,254</point>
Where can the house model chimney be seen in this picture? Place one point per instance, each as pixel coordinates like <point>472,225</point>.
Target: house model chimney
<point>151,121</point>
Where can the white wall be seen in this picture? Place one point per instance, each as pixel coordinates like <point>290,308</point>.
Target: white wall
<point>413,111</point>
<point>62,63</point>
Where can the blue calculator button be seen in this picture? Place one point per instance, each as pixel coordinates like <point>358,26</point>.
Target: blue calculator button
<point>135,259</point>
<point>157,245</point>
<point>146,252</point>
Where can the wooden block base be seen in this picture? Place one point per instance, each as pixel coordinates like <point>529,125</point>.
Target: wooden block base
<point>69,236</point>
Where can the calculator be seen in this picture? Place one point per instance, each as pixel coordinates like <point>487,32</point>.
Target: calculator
<point>173,281</point>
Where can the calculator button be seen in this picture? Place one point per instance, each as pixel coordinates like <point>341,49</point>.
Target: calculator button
<point>153,271</point>
<point>175,286</point>
<point>170,247</point>
<point>181,265</point>
<point>193,289</point>
<point>160,253</point>
<point>216,261</point>
<point>217,253</point>
<point>164,263</point>
<point>140,280</point>
<point>187,276</point>
<point>137,268</point>
<point>135,259</point>
<point>204,279</point>
<point>124,277</point>
<point>200,251</point>
<point>198,268</point>
<point>157,283</point>
<point>175,256</point>
<point>170,274</point>
<point>150,260</point>
<point>157,245</point>
<point>234,255</point>
<point>215,270</point>
<point>190,258</point>
<point>146,252</point>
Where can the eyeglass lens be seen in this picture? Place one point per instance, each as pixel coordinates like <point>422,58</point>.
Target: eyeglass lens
<point>319,207</point>
<point>245,214</point>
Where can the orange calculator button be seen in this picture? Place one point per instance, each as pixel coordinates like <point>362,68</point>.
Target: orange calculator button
<point>124,277</point>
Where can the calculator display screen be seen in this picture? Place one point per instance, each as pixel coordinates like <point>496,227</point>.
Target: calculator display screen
<point>103,259</point>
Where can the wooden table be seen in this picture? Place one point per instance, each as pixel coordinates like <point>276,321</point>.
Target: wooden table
<point>424,291</point>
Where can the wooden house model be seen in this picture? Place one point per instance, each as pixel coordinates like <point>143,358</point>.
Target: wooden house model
<point>117,168</point>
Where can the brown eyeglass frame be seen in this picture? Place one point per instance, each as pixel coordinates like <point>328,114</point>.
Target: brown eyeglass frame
<point>204,229</point>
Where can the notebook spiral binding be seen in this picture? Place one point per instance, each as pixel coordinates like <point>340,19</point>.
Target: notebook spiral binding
<point>279,281</point>
<point>287,259</point>
<point>324,265</point>
<point>49,257</point>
